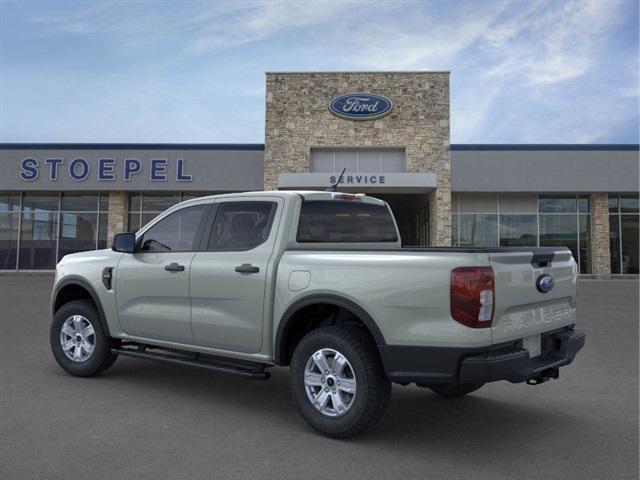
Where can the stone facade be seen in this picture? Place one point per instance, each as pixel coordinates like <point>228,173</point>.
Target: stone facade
<point>298,119</point>
<point>118,214</point>
<point>600,248</point>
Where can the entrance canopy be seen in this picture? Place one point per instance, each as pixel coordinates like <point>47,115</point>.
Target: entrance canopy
<point>361,182</point>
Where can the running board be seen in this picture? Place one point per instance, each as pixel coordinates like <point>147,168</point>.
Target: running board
<point>249,370</point>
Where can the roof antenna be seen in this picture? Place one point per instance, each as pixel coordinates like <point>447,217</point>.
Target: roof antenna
<point>334,187</point>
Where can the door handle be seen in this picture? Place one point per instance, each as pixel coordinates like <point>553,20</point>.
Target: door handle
<point>174,267</point>
<point>247,268</point>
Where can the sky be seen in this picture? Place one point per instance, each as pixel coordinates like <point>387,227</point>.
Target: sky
<point>193,72</point>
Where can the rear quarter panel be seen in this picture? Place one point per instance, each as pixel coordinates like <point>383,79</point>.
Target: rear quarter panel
<point>406,293</point>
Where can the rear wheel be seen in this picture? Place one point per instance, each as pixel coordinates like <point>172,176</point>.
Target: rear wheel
<point>79,341</point>
<point>455,389</point>
<point>338,382</point>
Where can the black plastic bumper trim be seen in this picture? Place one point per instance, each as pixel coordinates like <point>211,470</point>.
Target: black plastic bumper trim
<point>510,362</point>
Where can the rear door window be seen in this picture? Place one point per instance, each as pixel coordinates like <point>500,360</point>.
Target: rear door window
<point>335,221</point>
<point>241,225</point>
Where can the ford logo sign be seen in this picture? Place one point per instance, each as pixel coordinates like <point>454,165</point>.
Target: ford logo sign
<point>545,283</point>
<point>360,106</point>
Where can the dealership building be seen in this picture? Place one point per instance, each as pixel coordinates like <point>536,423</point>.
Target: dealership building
<point>389,130</point>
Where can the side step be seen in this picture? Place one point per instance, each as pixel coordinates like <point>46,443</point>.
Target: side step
<point>249,370</point>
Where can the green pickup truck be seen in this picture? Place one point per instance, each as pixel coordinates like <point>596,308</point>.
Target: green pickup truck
<point>318,282</point>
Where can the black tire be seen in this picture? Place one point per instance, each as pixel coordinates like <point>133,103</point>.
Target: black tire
<point>454,390</point>
<point>100,359</point>
<point>373,388</point>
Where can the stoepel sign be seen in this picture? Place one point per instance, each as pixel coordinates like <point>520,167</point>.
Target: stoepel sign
<point>80,169</point>
<point>360,106</point>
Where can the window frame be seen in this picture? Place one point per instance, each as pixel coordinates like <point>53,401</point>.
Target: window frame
<point>197,241</point>
<point>213,215</point>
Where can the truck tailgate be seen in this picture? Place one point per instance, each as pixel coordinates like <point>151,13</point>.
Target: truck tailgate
<point>521,309</point>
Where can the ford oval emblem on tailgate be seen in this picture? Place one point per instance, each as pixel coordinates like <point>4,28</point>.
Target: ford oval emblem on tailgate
<point>545,283</point>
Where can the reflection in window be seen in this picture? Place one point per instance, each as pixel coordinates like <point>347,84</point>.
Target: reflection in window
<point>9,202</point>
<point>584,238</point>
<point>175,233</point>
<point>241,225</point>
<point>559,231</point>
<point>38,238</point>
<point>558,204</point>
<point>8,240</point>
<point>518,230</point>
<point>78,232</point>
<point>144,207</point>
<point>629,241</point>
<point>623,233</point>
<point>478,230</point>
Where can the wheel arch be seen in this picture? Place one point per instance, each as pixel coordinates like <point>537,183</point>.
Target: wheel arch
<point>290,318</point>
<point>76,288</point>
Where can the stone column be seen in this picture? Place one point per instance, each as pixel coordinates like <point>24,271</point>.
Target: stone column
<point>600,251</point>
<point>118,214</point>
<point>440,218</point>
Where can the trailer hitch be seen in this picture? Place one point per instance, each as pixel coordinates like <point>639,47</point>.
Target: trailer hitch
<point>545,376</point>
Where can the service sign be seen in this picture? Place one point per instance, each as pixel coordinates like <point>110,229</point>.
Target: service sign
<point>360,106</point>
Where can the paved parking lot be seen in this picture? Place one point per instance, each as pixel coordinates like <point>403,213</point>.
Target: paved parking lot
<point>148,420</point>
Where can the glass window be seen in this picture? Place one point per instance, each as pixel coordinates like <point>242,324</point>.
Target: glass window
<point>583,204</point>
<point>629,204</point>
<point>358,160</point>
<point>559,230</point>
<point>345,221</point>
<point>393,161</point>
<point>630,246</point>
<point>623,233</point>
<point>479,230</point>
<point>102,231</point>
<point>158,202</point>
<point>192,195</point>
<point>614,242</point>
<point>38,238</point>
<point>9,202</point>
<point>104,202</point>
<point>40,201</point>
<point>8,240</point>
<point>78,232</point>
<point>322,161</point>
<point>175,233</point>
<point>518,230</point>
<point>147,217</point>
<point>135,202</point>
<point>454,230</point>
<point>585,243</point>
<point>241,225</point>
<point>557,204</point>
<point>369,161</point>
<point>134,222</point>
<point>346,160</point>
<point>79,202</point>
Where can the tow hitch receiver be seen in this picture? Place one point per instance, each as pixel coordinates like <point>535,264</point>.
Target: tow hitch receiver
<point>545,376</point>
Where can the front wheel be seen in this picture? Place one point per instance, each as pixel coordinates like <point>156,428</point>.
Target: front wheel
<point>338,382</point>
<point>79,341</point>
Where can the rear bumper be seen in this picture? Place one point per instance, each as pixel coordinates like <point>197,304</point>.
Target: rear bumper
<point>426,365</point>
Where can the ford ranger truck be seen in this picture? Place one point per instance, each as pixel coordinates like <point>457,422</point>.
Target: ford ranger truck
<point>317,282</point>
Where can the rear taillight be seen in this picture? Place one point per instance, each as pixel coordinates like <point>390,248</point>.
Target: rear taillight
<point>472,296</point>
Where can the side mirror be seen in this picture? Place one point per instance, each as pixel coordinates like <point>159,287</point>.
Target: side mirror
<point>124,242</point>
